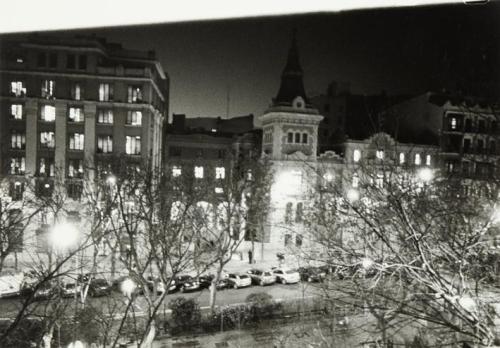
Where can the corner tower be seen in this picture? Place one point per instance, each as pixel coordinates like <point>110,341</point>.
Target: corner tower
<point>290,124</point>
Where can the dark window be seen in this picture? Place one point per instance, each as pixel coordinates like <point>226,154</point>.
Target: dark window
<point>290,137</point>
<point>288,212</point>
<point>221,153</point>
<point>288,239</point>
<point>16,190</point>
<point>297,138</point>
<point>466,145</point>
<point>493,147</point>
<point>53,60</point>
<point>82,62</point>
<point>482,126</point>
<point>74,190</point>
<point>468,125</point>
<point>480,146</point>
<point>70,62</point>
<point>298,240</point>
<point>299,212</point>
<point>493,126</point>
<point>174,151</point>
<point>304,138</point>
<point>42,59</point>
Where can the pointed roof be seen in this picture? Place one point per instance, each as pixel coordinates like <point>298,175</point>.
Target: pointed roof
<point>292,84</point>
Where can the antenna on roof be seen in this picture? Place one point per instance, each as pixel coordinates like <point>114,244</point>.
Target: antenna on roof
<point>228,90</point>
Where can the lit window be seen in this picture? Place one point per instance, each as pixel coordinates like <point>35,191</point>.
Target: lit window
<point>75,115</point>
<point>76,91</point>
<point>328,177</point>
<point>401,158</point>
<point>105,117</point>
<point>17,140</point>
<point>249,175</point>
<point>134,94</point>
<point>418,159</point>
<point>16,111</point>
<point>48,88</point>
<point>219,190</point>
<point>176,171</point>
<point>105,92</point>
<point>134,118</point>
<point>290,137</point>
<point>46,166</point>
<point>304,138</point>
<point>17,165</point>
<point>133,145</point>
<point>379,154</point>
<point>428,160</point>
<point>220,173</point>
<point>453,123</point>
<point>48,113</point>
<point>198,172</point>
<point>76,141</point>
<point>75,168</point>
<point>17,88</point>
<point>379,180</point>
<point>105,144</point>
<point>47,140</point>
<point>355,180</point>
<point>356,155</point>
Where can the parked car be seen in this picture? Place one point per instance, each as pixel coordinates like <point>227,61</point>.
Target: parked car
<point>70,290</point>
<point>11,284</point>
<point>151,281</point>
<point>206,280</point>
<point>239,280</point>
<point>99,287</point>
<point>45,291</point>
<point>312,274</point>
<point>186,283</point>
<point>261,277</point>
<point>286,276</point>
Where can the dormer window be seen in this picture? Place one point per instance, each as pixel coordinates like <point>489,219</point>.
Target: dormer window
<point>298,103</point>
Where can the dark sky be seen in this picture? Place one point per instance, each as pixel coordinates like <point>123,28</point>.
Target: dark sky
<point>409,50</point>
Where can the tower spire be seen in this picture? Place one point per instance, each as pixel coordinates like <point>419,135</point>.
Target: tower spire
<point>292,84</point>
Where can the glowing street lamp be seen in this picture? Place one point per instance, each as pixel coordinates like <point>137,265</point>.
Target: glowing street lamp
<point>367,263</point>
<point>64,236</point>
<point>128,287</point>
<point>352,195</point>
<point>111,180</point>
<point>425,175</point>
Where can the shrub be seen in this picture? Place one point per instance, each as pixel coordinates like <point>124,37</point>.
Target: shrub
<point>262,306</point>
<point>186,313</point>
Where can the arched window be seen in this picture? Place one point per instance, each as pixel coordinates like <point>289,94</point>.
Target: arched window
<point>304,138</point>
<point>297,138</point>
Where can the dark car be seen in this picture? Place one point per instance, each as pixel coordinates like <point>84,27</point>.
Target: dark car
<point>44,291</point>
<point>186,283</point>
<point>206,280</point>
<point>99,287</point>
<point>312,274</point>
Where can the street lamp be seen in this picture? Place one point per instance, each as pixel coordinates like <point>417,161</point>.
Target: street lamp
<point>425,175</point>
<point>111,180</point>
<point>64,236</point>
<point>127,287</point>
<point>352,195</point>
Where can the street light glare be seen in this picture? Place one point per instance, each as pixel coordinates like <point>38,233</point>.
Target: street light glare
<point>367,263</point>
<point>352,195</point>
<point>128,286</point>
<point>111,180</point>
<point>425,174</point>
<point>63,236</point>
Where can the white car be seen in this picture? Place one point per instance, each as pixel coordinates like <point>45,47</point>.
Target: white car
<point>286,276</point>
<point>239,280</point>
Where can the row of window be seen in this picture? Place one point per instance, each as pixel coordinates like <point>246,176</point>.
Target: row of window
<point>380,155</point>
<point>175,151</point>
<point>76,141</point>
<point>76,115</point>
<point>50,60</point>
<point>220,172</point>
<point>105,91</point>
<point>456,123</point>
<point>46,167</point>
<point>297,138</point>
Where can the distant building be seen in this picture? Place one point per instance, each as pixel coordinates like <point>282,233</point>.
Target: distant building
<point>67,106</point>
<point>466,131</point>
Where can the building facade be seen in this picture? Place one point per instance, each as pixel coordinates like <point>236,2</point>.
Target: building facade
<point>68,106</point>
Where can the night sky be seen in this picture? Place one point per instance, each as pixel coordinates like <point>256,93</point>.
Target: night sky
<point>400,51</point>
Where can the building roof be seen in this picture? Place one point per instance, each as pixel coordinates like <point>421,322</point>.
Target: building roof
<point>292,84</point>
<point>215,126</point>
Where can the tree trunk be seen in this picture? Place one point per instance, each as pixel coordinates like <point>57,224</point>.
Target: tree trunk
<point>148,339</point>
<point>47,337</point>
<point>213,287</point>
